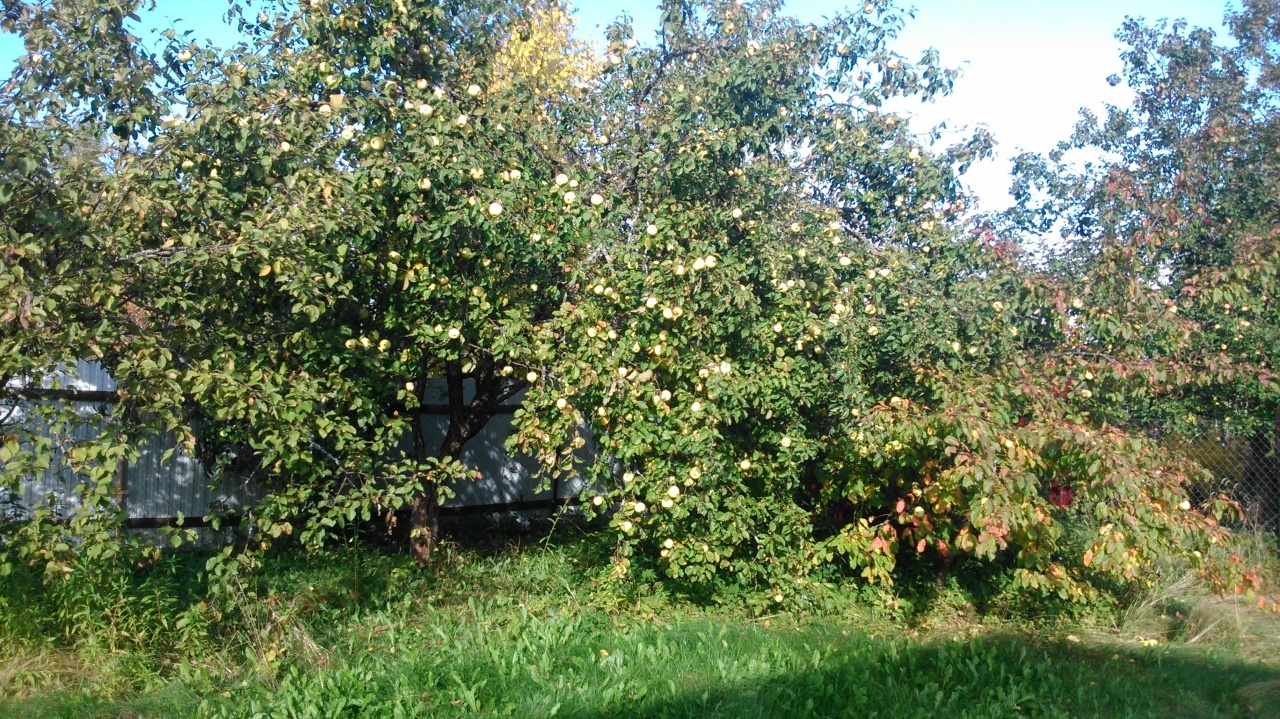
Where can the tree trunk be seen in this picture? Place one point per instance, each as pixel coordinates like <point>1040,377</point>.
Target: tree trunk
<point>424,519</point>
<point>424,524</point>
<point>465,422</point>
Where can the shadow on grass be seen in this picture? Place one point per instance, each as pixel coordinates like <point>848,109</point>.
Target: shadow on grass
<point>989,677</point>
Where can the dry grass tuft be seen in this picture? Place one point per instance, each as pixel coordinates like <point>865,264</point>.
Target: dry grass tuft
<point>25,673</point>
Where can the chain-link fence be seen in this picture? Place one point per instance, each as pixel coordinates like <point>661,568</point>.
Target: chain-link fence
<point>1245,468</point>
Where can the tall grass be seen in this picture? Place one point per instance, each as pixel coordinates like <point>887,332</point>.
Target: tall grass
<point>528,630</point>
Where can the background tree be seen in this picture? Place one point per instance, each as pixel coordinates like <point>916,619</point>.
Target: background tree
<point>1179,209</point>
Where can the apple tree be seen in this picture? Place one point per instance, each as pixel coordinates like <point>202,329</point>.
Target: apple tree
<point>791,353</point>
<point>273,248</point>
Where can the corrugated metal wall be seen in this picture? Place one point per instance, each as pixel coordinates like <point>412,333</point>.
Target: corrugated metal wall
<point>503,478</point>
<point>55,486</point>
<point>156,489</point>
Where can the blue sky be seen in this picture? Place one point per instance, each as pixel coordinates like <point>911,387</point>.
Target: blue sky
<point>1028,65</point>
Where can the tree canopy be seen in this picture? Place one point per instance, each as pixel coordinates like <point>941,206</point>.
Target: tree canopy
<point>714,255</point>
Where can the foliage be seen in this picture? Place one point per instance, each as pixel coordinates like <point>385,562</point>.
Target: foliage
<point>1175,206</point>
<point>815,365</point>
<point>716,257</point>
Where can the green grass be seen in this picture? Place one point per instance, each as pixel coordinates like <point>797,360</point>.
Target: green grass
<point>523,633</point>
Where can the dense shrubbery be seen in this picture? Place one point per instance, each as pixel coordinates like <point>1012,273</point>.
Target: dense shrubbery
<point>716,254</point>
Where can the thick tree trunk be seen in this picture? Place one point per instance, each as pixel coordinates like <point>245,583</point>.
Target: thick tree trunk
<point>465,422</point>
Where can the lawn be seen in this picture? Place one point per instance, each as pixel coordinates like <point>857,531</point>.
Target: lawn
<point>520,631</point>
